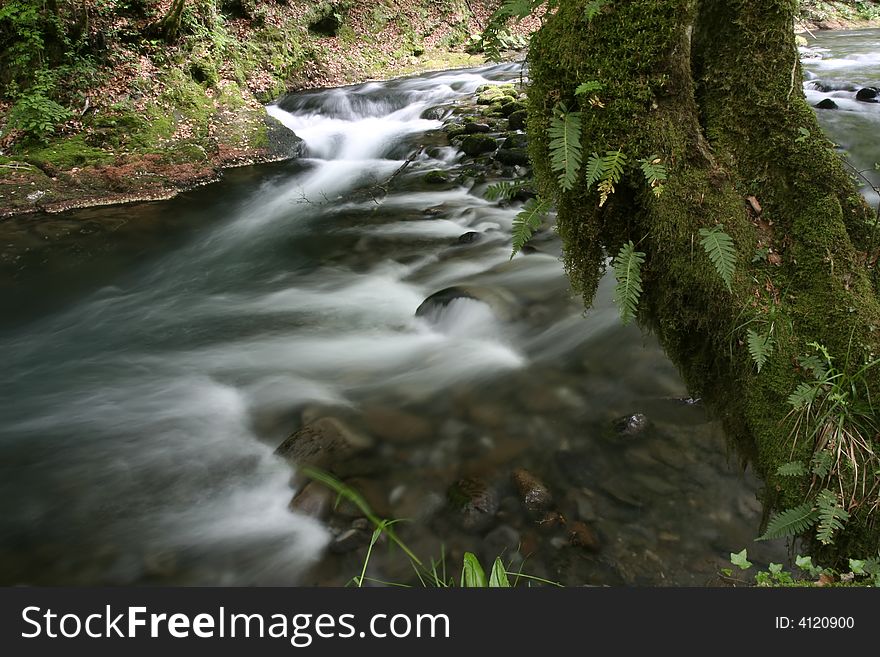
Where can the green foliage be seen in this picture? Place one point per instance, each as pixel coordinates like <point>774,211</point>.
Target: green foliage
<point>528,221</point>
<point>472,574</point>
<point>588,87</point>
<point>35,113</point>
<point>503,191</point>
<point>792,469</point>
<point>655,173</point>
<point>565,145</point>
<point>498,578</point>
<point>790,522</point>
<point>594,7</point>
<point>605,171</point>
<point>741,559</point>
<point>804,135</point>
<point>718,245</point>
<point>760,347</point>
<point>821,463</point>
<point>627,271</point>
<point>832,516</point>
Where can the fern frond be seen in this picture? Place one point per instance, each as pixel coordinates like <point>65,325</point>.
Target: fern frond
<point>613,164</point>
<point>588,87</point>
<point>803,396</point>
<point>790,522</point>
<point>821,463</point>
<point>528,221</point>
<point>655,173</point>
<point>606,189</point>
<point>793,469</point>
<point>760,347</point>
<point>504,190</point>
<point>593,8</point>
<point>565,145</point>
<point>628,273</point>
<point>832,516</point>
<point>517,9</point>
<point>595,171</point>
<point>721,251</point>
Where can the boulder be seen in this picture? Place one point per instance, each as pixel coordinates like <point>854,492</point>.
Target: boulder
<point>868,95</point>
<point>502,303</point>
<point>469,237</point>
<point>478,144</point>
<point>476,128</point>
<point>313,499</point>
<point>826,103</point>
<point>517,120</point>
<point>513,157</point>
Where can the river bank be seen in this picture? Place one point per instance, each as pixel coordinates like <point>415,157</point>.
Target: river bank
<point>158,120</point>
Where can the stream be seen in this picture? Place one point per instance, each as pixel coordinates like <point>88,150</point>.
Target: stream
<point>156,355</point>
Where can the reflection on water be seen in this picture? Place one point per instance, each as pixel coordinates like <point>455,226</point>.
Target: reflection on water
<point>155,355</point>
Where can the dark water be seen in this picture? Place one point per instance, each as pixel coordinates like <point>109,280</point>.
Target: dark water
<point>155,355</point>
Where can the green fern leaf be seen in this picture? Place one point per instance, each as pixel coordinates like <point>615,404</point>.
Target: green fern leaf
<point>790,522</point>
<point>832,516</point>
<point>760,347</point>
<point>803,396</point>
<point>593,8</point>
<point>721,251</point>
<point>504,190</point>
<point>613,164</point>
<point>655,173</point>
<point>595,169</point>
<point>517,9</point>
<point>628,272</point>
<point>588,87</point>
<point>528,221</point>
<point>821,463</point>
<point>793,469</point>
<point>565,145</point>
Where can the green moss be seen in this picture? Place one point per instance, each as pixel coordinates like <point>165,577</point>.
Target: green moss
<point>65,154</point>
<point>726,125</point>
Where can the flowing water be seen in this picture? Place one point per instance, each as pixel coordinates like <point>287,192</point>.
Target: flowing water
<point>155,355</point>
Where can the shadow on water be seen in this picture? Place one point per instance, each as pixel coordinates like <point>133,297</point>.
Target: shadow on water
<point>155,356</point>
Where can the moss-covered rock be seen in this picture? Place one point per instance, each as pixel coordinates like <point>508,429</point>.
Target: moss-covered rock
<point>478,144</point>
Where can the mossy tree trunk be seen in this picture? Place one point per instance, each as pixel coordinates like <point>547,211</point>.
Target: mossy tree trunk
<point>169,26</point>
<point>713,88</point>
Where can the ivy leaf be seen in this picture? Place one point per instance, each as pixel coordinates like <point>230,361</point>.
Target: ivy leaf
<point>740,559</point>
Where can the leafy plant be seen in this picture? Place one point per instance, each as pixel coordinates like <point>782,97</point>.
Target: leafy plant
<point>593,8</point>
<point>790,522</point>
<point>760,347</point>
<point>627,270</point>
<point>590,86</point>
<point>565,145</point>
<point>605,171</point>
<point>655,173</point>
<point>503,191</point>
<point>792,469</point>
<point>741,559</point>
<point>719,246</point>
<point>832,516</point>
<point>528,221</point>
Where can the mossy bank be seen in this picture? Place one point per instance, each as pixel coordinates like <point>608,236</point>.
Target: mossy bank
<point>100,103</point>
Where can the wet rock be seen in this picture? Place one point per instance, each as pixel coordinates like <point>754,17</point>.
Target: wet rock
<point>534,495</point>
<point>827,86</point>
<point>323,443</point>
<point>469,237</point>
<point>356,536</point>
<point>516,140</point>
<point>576,466</point>
<point>478,144</point>
<point>476,128</point>
<point>581,535</point>
<point>396,426</point>
<point>489,94</point>
<point>502,303</point>
<point>454,130</point>
<point>631,425</point>
<point>826,103</point>
<point>373,493</point>
<point>503,541</point>
<point>581,503</point>
<point>517,120</point>
<point>434,113</point>
<point>436,177</point>
<point>513,157</point>
<point>623,491</point>
<point>313,500</point>
<point>868,95</point>
<point>475,503</point>
<point>551,521</point>
<point>509,108</point>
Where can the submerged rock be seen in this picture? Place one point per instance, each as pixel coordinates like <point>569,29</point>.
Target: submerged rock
<point>582,535</point>
<point>534,495</point>
<point>323,443</point>
<point>631,425</point>
<point>475,503</point>
<point>502,303</point>
<point>396,426</point>
<point>469,237</point>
